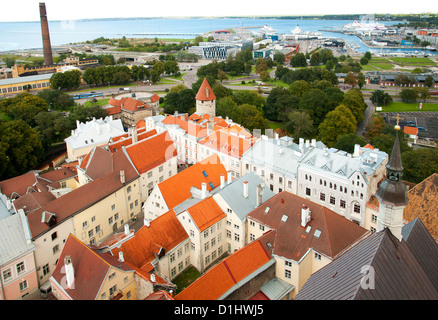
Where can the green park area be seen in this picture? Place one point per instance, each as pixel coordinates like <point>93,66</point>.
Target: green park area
<point>409,107</point>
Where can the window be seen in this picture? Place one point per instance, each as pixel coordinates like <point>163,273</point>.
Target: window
<point>20,267</point>
<point>54,235</point>
<point>90,233</point>
<point>113,290</point>
<point>110,220</point>
<point>128,189</point>
<point>308,191</point>
<point>262,227</point>
<point>150,174</point>
<point>207,260</point>
<point>322,196</point>
<point>55,249</point>
<point>342,204</point>
<point>206,233</point>
<point>251,237</point>
<point>85,225</point>
<point>332,200</point>
<point>317,256</point>
<point>288,264</point>
<point>23,286</point>
<point>228,234</point>
<point>160,169</point>
<point>280,179</point>
<point>205,174</point>
<point>112,276</point>
<point>172,257</point>
<point>7,274</point>
<point>287,274</point>
<point>113,207</point>
<point>97,229</point>
<point>271,176</point>
<point>180,266</point>
<point>213,242</point>
<point>206,246</point>
<point>356,208</point>
<point>236,237</point>
<point>374,218</point>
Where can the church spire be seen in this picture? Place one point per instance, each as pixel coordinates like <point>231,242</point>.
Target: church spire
<point>392,193</point>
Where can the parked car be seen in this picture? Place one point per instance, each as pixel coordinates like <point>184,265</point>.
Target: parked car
<point>422,129</point>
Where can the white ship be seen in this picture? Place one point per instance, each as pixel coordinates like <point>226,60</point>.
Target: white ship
<point>298,34</point>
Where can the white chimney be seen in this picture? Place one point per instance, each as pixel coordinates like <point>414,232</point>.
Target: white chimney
<point>122,176</point>
<point>222,181</point>
<point>245,189</point>
<point>127,232</point>
<point>301,143</point>
<point>228,177</point>
<point>305,215</point>
<point>203,190</point>
<point>69,272</point>
<point>356,150</point>
<point>314,143</point>
<point>259,195</point>
<point>121,259</point>
<point>153,277</point>
<point>134,135</point>
<point>307,143</point>
<point>146,222</point>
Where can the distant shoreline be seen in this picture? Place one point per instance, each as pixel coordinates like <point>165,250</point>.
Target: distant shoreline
<point>381,17</point>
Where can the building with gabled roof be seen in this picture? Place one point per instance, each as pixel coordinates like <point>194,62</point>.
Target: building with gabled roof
<point>380,267</point>
<point>86,274</point>
<point>338,180</point>
<point>205,222</point>
<point>155,159</point>
<point>239,276</point>
<point>18,186</point>
<point>237,199</point>
<point>309,235</point>
<point>158,252</point>
<point>91,212</point>
<point>197,180</point>
<point>96,132</point>
<point>205,99</point>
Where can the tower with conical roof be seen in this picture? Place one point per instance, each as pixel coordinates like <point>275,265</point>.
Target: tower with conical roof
<point>392,193</point>
<point>205,99</point>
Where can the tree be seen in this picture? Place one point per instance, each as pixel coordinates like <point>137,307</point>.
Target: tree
<point>24,106</point>
<point>347,142</point>
<point>315,59</point>
<point>374,127</point>
<point>56,99</point>
<point>120,77</point>
<point>351,79</point>
<point>298,60</point>
<point>279,57</point>
<point>337,123</point>
<point>409,95</point>
<point>315,101</point>
<point>299,123</point>
<point>299,87</point>
<point>249,117</point>
<point>385,140</point>
<point>171,67</point>
<point>380,98</point>
<point>222,75</point>
<point>52,127</point>
<point>429,81</point>
<point>330,65</point>
<point>354,100</point>
<point>20,149</point>
<point>419,164</point>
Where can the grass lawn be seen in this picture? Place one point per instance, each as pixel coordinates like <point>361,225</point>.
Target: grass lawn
<point>100,102</point>
<point>406,107</point>
<point>183,280</point>
<point>378,63</point>
<point>415,62</point>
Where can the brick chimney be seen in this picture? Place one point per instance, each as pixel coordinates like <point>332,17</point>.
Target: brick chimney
<point>47,47</point>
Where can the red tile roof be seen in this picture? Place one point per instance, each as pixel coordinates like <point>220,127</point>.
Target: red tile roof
<point>227,143</point>
<point>410,130</point>
<point>205,92</point>
<point>18,185</point>
<point>90,269</point>
<point>163,232</point>
<point>128,140</point>
<point>133,105</point>
<point>227,273</point>
<point>87,195</point>
<point>152,152</point>
<point>191,128</point>
<point>176,189</point>
<point>292,241</point>
<point>206,213</point>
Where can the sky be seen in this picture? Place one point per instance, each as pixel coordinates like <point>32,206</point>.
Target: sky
<point>28,10</point>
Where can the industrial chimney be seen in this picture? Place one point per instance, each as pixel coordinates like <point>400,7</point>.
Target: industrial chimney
<point>47,48</point>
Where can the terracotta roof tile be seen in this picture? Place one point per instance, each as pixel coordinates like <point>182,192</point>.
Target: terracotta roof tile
<point>126,141</point>
<point>18,185</point>
<point>336,232</point>
<point>205,92</point>
<point>90,269</point>
<point>176,189</point>
<point>133,105</point>
<point>163,232</point>
<point>206,213</point>
<point>150,153</point>
<point>410,130</point>
<point>227,273</point>
<point>227,143</point>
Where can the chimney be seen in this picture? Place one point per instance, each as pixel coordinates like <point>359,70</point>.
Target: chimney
<point>134,135</point>
<point>307,143</point>
<point>203,190</point>
<point>69,272</point>
<point>301,143</point>
<point>245,189</point>
<point>47,48</point>
<point>146,222</point>
<point>259,195</point>
<point>228,177</point>
<point>314,143</point>
<point>122,176</point>
<point>127,232</point>
<point>222,181</point>
<point>121,259</point>
<point>153,277</point>
<point>305,215</point>
<point>356,150</point>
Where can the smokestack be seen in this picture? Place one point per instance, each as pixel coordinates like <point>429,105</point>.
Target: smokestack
<point>245,189</point>
<point>204,190</point>
<point>69,272</point>
<point>127,231</point>
<point>305,215</point>
<point>222,181</point>
<point>47,48</point>
<point>259,195</point>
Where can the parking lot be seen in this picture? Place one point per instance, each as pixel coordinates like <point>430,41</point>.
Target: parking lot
<point>427,122</point>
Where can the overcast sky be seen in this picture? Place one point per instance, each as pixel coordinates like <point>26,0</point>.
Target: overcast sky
<point>27,10</point>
